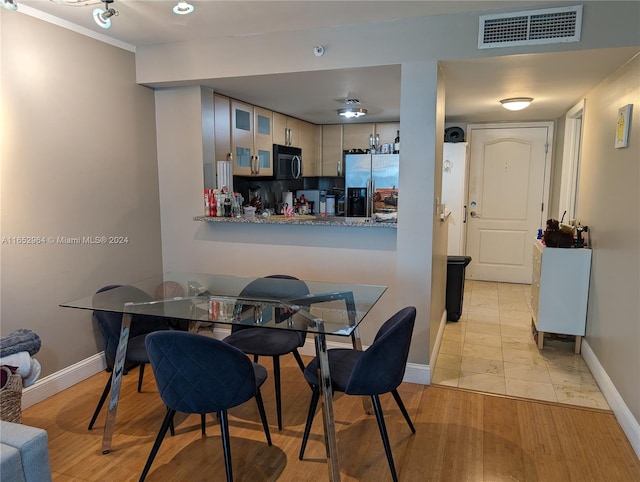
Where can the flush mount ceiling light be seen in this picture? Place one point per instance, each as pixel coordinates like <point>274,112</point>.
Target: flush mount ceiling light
<point>516,103</point>
<point>350,112</point>
<point>103,17</point>
<point>183,8</point>
<point>9,4</point>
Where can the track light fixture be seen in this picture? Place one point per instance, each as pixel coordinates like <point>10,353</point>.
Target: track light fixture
<point>103,17</point>
<point>350,112</point>
<point>9,4</point>
<point>183,8</point>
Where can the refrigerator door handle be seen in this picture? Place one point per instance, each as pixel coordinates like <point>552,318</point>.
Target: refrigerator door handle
<point>371,192</point>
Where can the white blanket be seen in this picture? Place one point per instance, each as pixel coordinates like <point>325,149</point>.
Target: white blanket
<point>27,367</point>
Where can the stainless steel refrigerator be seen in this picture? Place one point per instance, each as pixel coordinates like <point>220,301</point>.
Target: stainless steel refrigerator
<point>371,184</point>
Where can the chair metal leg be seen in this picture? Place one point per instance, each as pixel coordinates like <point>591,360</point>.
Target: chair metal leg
<point>226,445</point>
<point>312,412</point>
<point>140,377</point>
<point>263,416</point>
<point>398,400</point>
<point>298,358</point>
<point>203,423</point>
<point>103,397</point>
<point>276,381</point>
<point>383,433</point>
<point>172,427</point>
<point>168,420</point>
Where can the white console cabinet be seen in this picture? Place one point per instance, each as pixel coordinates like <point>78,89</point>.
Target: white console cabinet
<point>560,290</point>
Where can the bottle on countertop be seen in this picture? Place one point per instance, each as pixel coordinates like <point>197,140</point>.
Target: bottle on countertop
<point>227,206</point>
<point>396,143</point>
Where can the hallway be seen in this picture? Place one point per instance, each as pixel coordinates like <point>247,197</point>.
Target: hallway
<point>491,349</point>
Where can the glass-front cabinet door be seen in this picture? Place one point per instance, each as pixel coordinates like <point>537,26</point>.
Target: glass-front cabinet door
<point>242,138</point>
<point>263,140</point>
<point>251,137</point>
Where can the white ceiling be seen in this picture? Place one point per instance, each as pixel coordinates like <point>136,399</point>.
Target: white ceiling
<point>473,87</point>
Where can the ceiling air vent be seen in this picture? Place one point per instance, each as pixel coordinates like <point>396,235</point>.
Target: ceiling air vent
<point>550,25</point>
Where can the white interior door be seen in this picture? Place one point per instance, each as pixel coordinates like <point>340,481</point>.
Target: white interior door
<point>508,187</point>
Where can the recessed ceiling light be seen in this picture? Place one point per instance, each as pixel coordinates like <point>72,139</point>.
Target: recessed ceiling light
<point>183,8</point>
<point>516,103</point>
<point>351,112</point>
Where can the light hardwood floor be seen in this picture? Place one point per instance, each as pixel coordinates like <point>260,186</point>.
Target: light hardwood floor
<point>461,436</point>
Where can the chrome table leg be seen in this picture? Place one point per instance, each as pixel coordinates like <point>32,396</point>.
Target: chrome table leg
<point>326,392</point>
<point>116,381</point>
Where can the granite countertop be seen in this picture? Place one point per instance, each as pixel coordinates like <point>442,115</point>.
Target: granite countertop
<point>300,219</point>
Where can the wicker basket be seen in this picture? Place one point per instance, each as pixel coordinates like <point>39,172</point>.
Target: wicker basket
<point>11,399</point>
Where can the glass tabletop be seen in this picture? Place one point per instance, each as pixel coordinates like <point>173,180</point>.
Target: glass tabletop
<point>273,302</point>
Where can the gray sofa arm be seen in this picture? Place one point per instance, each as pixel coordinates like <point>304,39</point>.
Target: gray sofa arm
<point>24,453</point>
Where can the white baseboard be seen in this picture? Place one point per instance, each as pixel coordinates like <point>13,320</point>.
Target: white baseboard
<point>627,421</point>
<point>63,379</point>
<point>436,346</point>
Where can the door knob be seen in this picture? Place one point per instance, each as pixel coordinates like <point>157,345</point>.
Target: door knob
<point>474,214</point>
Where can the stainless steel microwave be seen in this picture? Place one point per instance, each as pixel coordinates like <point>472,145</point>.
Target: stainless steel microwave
<point>287,162</point>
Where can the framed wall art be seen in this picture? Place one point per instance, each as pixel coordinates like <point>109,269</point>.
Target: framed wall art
<point>622,126</point>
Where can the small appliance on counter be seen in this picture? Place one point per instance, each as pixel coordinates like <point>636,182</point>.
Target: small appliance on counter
<point>312,196</point>
<point>340,201</point>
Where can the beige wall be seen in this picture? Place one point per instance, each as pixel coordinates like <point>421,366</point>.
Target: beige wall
<point>609,203</point>
<point>78,159</point>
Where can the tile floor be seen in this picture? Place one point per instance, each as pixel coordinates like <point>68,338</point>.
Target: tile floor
<point>491,349</point>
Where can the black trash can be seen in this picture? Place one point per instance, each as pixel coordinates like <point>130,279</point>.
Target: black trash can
<point>455,285</point>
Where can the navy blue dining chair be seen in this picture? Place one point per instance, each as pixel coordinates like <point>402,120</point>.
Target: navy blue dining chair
<point>377,370</point>
<point>199,374</point>
<point>271,342</point>
<point>109,325</point>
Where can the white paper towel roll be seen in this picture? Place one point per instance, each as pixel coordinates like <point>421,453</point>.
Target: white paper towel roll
<point>287,198</point>
<point>225,175</point>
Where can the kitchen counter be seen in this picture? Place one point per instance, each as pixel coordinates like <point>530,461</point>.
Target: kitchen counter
<point>300,219</point>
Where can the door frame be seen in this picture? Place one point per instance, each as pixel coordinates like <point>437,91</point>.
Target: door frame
<point>571,155</point>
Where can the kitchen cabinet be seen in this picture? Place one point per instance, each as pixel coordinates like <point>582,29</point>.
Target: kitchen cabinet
<point>309,143</point>
<point>251,140</point>
<point>387,131</point>
<point>286,130</point>
<point>356,136</point>
<point>559,291</point>
<point>331,151</point>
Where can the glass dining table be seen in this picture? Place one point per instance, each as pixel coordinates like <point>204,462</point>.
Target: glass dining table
<point>202,301</point>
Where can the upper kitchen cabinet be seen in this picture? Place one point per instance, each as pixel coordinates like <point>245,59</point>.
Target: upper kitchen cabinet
<point>356,136</point>
<point>222,126</point>
<point>332,155</point>
<point>286,130</point>
<point>387,131</point>
<point>251,140</point>
<point>310,145</point>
